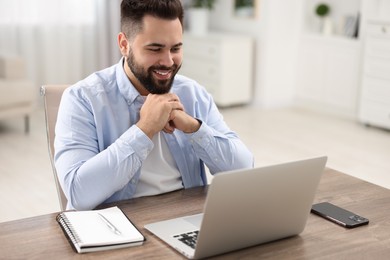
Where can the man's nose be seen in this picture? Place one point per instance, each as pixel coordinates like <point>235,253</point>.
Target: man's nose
<point>166,59</point>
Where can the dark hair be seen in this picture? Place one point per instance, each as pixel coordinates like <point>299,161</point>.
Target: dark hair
<point>133,12</point>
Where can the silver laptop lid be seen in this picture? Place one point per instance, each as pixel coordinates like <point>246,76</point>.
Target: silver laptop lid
<point>249,207</point>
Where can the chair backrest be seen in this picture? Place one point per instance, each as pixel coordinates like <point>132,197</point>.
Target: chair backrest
<point>52,96</point>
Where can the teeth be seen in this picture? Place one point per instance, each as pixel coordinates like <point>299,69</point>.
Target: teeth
<point>163,73</point>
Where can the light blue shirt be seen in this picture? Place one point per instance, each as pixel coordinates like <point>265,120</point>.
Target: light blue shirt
<point>99,150</point>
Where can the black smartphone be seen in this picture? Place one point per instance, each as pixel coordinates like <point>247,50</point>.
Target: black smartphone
<point>338,215</point>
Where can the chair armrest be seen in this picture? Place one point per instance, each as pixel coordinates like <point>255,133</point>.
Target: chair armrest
<point>16,92</point>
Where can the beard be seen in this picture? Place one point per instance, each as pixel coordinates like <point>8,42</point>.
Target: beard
<point>145,77</point>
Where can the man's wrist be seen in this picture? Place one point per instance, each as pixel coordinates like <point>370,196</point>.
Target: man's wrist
<point>145,129</point>
<point>195,127</point>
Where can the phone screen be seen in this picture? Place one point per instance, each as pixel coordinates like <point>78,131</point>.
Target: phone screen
<point>338,215</point>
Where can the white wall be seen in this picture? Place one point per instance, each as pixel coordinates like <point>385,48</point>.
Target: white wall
<point>276,30</point>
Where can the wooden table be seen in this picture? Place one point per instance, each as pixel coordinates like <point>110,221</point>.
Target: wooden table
<point>42,238</point>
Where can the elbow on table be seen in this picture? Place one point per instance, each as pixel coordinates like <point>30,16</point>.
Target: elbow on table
<point>82,199</point>
<point>245,162</point>
<point>82,204</point>
<point>238,162</point>
<point>242,159</point>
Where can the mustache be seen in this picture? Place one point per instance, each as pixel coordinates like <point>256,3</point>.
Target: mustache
<point>173,68</point>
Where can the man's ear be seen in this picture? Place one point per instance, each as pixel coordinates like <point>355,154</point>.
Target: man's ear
<point>123,44</point>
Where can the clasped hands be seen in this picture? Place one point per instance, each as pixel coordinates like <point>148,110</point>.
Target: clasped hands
<point>165,112</point>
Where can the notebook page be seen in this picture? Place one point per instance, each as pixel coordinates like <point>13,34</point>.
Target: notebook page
<point>93,231</point>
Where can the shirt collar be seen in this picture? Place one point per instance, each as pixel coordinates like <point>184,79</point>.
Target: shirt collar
<point>126,88</point>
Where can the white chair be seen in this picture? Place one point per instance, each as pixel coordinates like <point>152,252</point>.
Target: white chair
<point>52,96</point>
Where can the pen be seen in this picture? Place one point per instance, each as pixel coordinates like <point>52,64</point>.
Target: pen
<point>110,225</point>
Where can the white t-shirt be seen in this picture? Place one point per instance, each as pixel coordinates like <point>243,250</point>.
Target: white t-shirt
<point>159,173</point>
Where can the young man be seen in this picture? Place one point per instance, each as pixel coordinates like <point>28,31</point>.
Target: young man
<point>136,128</point>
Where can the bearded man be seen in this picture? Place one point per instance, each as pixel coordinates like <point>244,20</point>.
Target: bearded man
<point>138,128</point>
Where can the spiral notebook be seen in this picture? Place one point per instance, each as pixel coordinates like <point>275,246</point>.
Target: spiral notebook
<point>96,230</point>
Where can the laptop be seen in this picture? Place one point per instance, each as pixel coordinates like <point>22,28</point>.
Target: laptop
<point>247,207</point>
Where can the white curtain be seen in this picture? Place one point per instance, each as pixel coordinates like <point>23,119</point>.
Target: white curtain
<point>62,41</point>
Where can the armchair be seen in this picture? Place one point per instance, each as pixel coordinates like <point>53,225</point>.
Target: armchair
<point>17,97</point>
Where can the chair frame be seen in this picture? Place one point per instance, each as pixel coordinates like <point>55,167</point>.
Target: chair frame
<point>52,96</point>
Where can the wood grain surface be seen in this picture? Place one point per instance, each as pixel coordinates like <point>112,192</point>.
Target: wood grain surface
<point>42,238</point>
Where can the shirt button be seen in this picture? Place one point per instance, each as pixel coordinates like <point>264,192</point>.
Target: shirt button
<point>133,181</point>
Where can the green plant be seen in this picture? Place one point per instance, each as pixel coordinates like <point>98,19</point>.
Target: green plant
<point>204,3</point>
<point>322,10</point>
<point>243,3</point>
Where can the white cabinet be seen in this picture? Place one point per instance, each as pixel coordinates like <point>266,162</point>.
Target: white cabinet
<point>328,74</point>
<point>328,65</point>
<point>375,94</point>
<point>222,63</point>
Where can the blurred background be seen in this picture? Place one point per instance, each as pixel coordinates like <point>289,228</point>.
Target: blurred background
<point>294,78</point>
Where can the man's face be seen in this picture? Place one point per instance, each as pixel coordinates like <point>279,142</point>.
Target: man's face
<point>155,55</point>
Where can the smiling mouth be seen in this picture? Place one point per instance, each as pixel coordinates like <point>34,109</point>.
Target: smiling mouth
<point>163,74</point>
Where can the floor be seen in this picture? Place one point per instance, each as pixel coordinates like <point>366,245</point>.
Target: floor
<point>27,186</point>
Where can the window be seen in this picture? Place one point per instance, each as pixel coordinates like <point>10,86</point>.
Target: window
<point>47,12</point>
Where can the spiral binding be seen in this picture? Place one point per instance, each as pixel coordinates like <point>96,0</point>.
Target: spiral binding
<point>65,223</point>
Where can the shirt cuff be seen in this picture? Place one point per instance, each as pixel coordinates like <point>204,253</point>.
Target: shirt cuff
<point>202,137</point>
<point>138,141</point>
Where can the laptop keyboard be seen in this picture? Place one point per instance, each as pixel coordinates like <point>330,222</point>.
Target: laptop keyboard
<point>188,238</point>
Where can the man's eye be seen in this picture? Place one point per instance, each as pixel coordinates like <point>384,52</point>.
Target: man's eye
<point>155,50</point>
<point>176,49</point>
